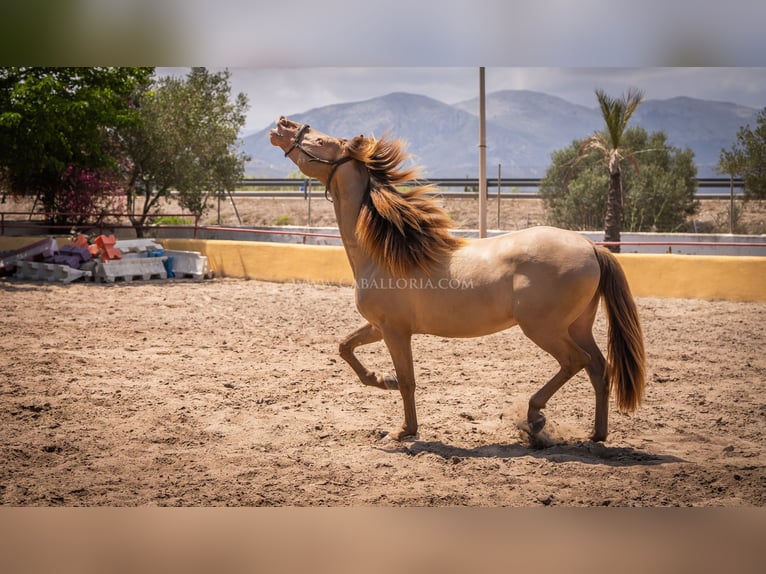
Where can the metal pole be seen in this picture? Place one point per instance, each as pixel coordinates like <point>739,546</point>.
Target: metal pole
<point>482,158</point>
<point>731,204</point>
<point>308,196</point>
<point>498,194</point>
<point>234,205</point>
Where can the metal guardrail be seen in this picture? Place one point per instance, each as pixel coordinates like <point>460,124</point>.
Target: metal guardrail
<point>439,182</point>
<point>702,182</point>
<point>274,187</point>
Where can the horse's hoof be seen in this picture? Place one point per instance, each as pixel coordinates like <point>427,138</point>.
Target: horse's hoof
<point>535,426</point>
<point>598,437</point>
<point>401,436</point>
<point>390,382</point>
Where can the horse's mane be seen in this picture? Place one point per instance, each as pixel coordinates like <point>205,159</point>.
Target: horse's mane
<point>401,230</point>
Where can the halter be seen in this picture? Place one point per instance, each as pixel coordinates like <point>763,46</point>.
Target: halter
<point>334,163</point>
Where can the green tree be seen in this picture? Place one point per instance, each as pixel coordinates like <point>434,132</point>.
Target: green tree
<point>58,132</point>
<point>187,141</point>
<point>747,158</point>
<point>610,147</point>
<point>658,197</point>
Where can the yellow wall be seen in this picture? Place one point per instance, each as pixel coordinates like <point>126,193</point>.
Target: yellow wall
<point>8,243</point>
<point>650,275</point>
<point>270,261</point>
<point>696,276</point>
<point>660,275</point>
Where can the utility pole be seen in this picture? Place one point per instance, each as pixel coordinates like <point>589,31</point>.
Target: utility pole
<point>499,180</point>
<point>482,158</point>
<point>731,204</point>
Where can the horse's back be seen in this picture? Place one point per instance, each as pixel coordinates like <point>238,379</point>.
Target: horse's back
<point>551,246</point>
<point>542,250</point>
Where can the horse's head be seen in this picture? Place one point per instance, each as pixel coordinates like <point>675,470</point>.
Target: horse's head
<point>316,154</point>
<point>400,230</point>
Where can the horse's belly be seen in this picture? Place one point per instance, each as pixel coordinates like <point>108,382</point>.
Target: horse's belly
<point>463,330</point>
<point>470,315</point>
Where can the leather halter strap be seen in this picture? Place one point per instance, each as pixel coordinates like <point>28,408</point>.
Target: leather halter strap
<point>297,144</point>
<point>335,163</point>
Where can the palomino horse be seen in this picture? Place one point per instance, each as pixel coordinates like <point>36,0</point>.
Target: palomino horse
<point>412,276</point>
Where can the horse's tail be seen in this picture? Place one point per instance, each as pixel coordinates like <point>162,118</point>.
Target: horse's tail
<point>626,358</point>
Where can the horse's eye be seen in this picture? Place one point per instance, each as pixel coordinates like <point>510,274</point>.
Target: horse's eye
<point>319,141</point>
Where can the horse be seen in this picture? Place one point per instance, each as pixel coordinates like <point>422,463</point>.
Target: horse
<point>412,275</point>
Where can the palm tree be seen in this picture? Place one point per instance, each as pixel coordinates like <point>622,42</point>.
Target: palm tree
<point>617,113</point>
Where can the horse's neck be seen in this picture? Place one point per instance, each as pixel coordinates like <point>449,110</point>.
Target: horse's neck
<point>346,214</point>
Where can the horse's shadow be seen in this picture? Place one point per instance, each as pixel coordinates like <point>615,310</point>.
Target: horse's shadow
<point>587,452</point>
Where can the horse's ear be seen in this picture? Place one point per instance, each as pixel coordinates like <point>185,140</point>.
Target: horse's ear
<point>356,143</point>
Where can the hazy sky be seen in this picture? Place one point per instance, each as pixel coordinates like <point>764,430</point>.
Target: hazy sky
<point>292,56</point>
<point>273,91</point>
<point>280,35</point>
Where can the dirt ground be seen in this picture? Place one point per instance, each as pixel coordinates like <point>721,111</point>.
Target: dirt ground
<point>231,392</point>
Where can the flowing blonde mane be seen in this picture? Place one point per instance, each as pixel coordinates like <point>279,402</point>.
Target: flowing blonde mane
<point>401,230</point>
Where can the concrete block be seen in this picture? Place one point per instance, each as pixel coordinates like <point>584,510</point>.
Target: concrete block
<point>44,248</point>
<point>130,269</point>
<point>189,264</point>
<point>38,271</point>
<point>137,245</point>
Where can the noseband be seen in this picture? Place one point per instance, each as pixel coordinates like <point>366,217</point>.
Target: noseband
<point>334,163</point>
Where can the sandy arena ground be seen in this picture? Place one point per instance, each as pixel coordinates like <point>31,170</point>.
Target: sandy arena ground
<point>231,392</point>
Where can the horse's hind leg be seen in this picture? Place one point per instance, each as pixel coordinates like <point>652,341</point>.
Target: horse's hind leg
<point>363,336</point>
<point>582,332</point>
<point>571,358</point>
<point>596,373</point>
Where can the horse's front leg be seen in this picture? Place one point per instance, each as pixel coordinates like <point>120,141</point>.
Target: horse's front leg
<point>400,347</point>
<point>363,336</point>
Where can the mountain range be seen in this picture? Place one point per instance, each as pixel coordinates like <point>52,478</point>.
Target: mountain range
<point>523,128</point>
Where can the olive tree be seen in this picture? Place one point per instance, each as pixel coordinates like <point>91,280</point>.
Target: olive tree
<point>187,142</point>
<point>747,158</point>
